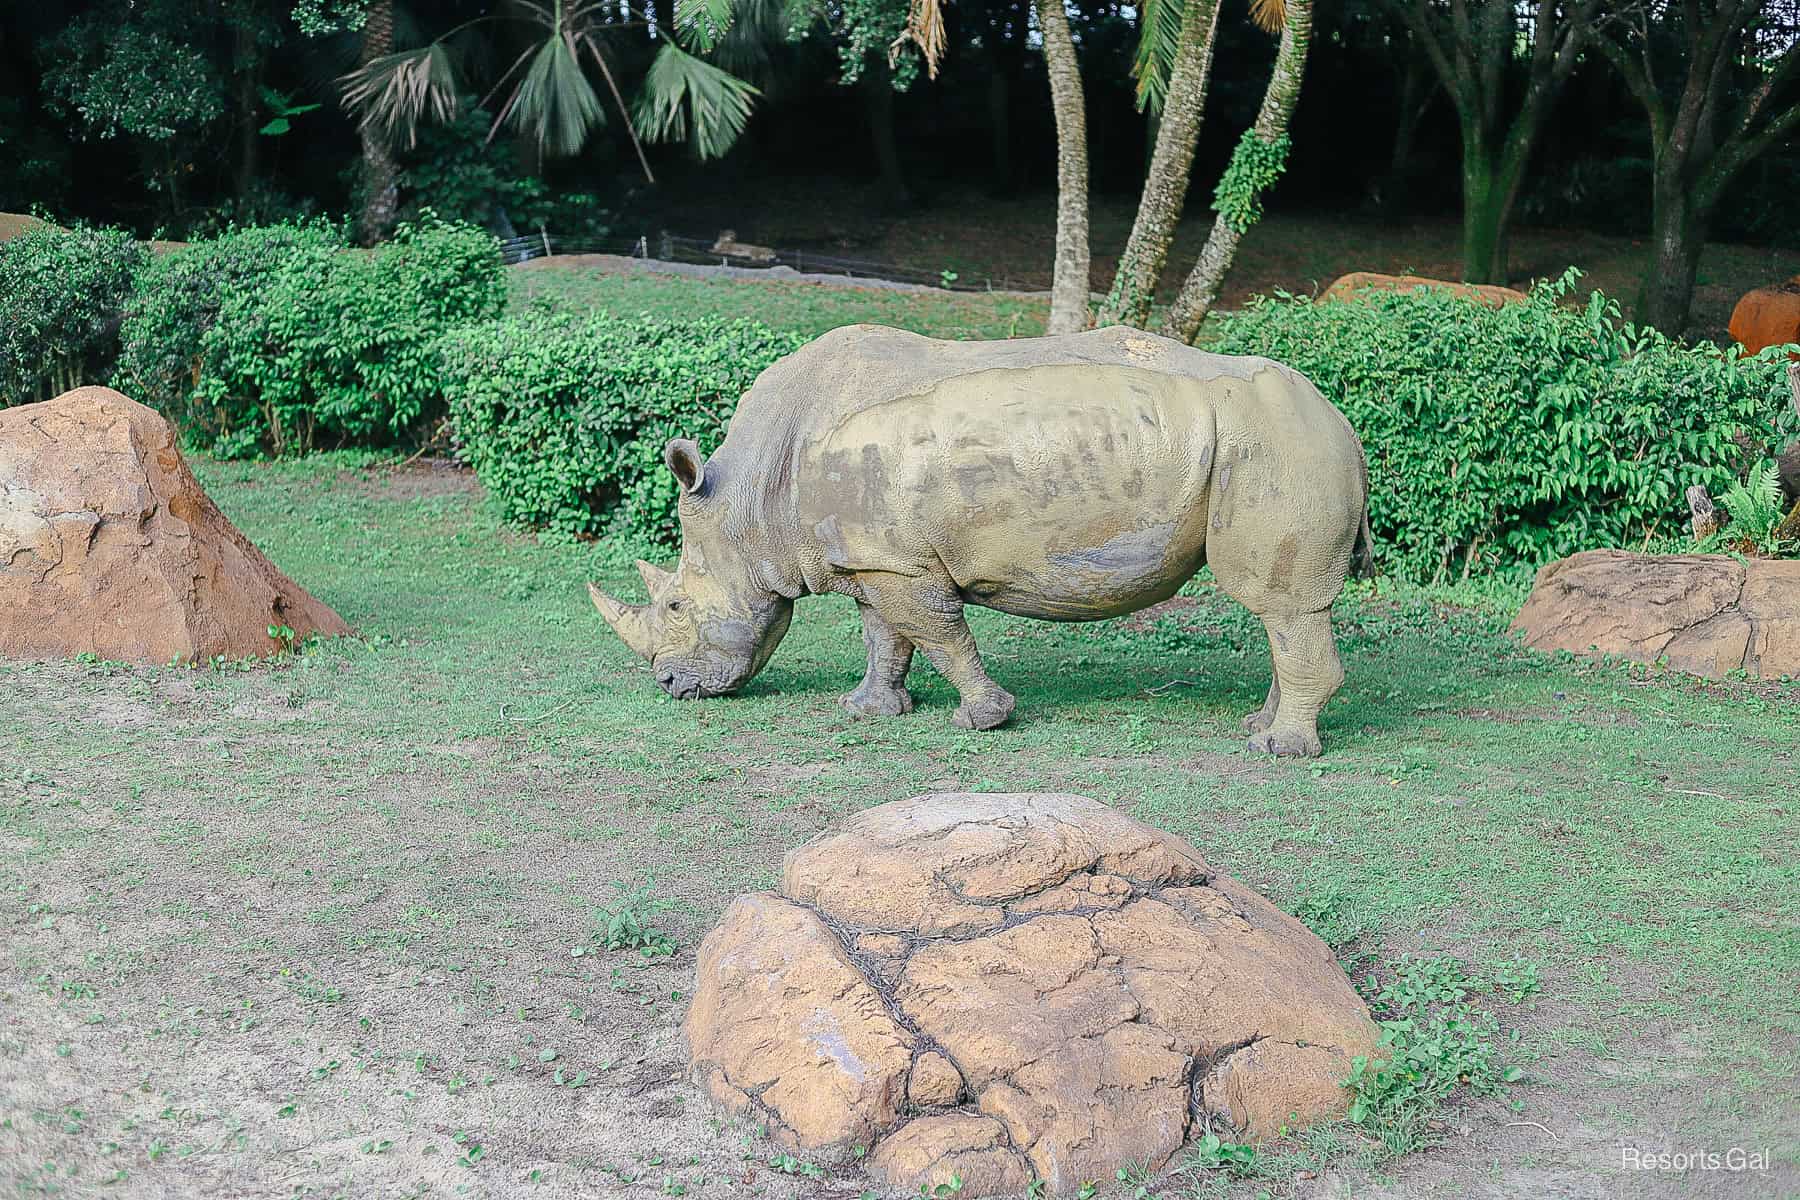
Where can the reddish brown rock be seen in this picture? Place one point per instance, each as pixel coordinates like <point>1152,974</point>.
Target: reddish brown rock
<point>1767,316</point>
<point>1492,295</point>
<point>1706,614</point>
<point>1079,983</point>
<point>108,546</point>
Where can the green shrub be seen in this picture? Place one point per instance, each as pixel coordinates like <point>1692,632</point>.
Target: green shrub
<point>1501,438</point>
<point>61,293</point>
<point>564,417</point>
<point>176,301</point>
<point>281,340</point>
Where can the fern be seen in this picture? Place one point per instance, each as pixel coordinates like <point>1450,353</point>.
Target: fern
<point>1755,505</point>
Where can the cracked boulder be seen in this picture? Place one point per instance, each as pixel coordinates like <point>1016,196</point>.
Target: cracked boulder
<point>108,545</point>
<point>1001,988</point>
<point>1705,614</point>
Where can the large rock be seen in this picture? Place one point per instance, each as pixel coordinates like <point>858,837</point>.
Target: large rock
<point>1705,613</point>
<point>108,546</point>
<point>1016,987</point>
<point>1767,316</point>
<point>1492,295</point>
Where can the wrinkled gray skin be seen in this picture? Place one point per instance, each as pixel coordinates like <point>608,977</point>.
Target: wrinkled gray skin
<point>1068,478</point>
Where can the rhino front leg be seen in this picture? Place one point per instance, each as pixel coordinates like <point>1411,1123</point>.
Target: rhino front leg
<point>1307,673</point>
<point>882,692</point>
<point>928,613</point>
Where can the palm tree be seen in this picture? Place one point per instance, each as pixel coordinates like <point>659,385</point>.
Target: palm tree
<point>549,96</point>
<point>1069,281</point>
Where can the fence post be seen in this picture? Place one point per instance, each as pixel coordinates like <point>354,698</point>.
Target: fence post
<point>546,238</point>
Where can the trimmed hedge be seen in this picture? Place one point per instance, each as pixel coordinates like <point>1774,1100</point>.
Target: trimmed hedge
<point>1499,439</point>
<point>564,417</point>
<point>281,340</point>
<point>61,294</point>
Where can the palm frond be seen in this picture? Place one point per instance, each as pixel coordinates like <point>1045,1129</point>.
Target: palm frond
<point>703,23</point>
<point>394,94</point>
<point>686,98</point>
<point>554,102</point>
<point>924,29</point>
<point>1159,36</point>
<point>1269,15</point>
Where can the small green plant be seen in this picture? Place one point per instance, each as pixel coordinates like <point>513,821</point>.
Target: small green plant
<point>283,637</point>
<point>1433,1042</point>
<point>285,110</point>
<point>1755,506</point>
<point>948,277</point>
<point>952,1187</point>
<point>1211,1152</point>
<point>627,923</point>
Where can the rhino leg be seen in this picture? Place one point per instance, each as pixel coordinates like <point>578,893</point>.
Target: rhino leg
<point>927,612</point>
<point>1264,717</point>
<point>882,692</point>
<point>1307,672</point>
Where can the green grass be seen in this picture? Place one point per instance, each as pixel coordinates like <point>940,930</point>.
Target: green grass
<point>263,920</point>
<point>801,307</point>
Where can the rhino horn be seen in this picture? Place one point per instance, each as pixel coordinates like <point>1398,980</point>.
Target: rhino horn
<point>630,621</point>
<point>654,577</point>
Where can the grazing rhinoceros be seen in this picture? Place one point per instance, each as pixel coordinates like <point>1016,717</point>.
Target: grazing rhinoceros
<point>1070,478</point>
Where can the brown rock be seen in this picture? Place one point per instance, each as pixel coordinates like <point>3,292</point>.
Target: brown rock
<point>108,546</point>
<point>935,1081</point>
<point>1706,614</point>
<point>1767,316</point>
<point>1077,975</point>
<point>952,1149</point>
<point>1492,295</point>
<point>782,1021</point>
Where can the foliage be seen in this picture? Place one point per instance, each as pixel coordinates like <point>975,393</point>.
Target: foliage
<point>291,341</point>
<point>176,299</point>
<point>1501,438</point>
<point>1434,1040</point>
<point>461,175</point>
<point>1254,168</point>
<point>627,922</point>
<point>564,417</point>
<point>61,292</point>
<point>118,77</point>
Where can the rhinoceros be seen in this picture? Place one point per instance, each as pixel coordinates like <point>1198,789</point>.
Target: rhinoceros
<point>1069,478</point>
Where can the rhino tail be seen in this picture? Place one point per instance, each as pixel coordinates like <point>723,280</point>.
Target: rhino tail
<point>1362,551</point>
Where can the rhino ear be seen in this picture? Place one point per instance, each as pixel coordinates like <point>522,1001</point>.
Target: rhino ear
<point>683,457</point>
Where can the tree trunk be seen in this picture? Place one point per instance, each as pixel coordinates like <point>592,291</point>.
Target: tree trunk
<point>878,85</point>
<point>1165,187</point>
<point>380,172</point>
<point>1203,282</point>
<point>1069,283</point>
<point>1677,234</point>
<point>1484,234</point>
<point>247,64</point>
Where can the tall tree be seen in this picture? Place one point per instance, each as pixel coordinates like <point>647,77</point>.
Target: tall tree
<point>1477,47</point>
<point>380,182</point>
<point>1166,183</point>
<point>1255,166</point>
<point>1069,282</point>
<point>1719,81</point>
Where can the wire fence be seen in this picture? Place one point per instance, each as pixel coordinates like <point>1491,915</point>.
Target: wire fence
<point>667,248</point>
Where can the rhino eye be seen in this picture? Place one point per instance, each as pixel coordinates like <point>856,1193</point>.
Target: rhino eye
<point>674,606</point>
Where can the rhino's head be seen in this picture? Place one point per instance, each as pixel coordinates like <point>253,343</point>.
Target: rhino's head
<point>710,624</point>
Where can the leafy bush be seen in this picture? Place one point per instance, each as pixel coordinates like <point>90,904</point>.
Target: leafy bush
<point>177,298</point>
<point>564,418</point>
<point>460,173</point>
<point>290,340</point>
<point>61,292</point>
<point>1501,438</point>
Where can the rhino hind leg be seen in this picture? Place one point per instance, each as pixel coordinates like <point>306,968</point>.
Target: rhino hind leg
<point>927,612</point>
<point>1307,673</point>
<point>882,692</point>
<point>1264,717</point>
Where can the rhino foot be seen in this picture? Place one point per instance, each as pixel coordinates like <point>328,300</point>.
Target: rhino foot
<point>1258,721</point>
<point>986,712</point>
<point>1285,743</point>
<point>871,702</point>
